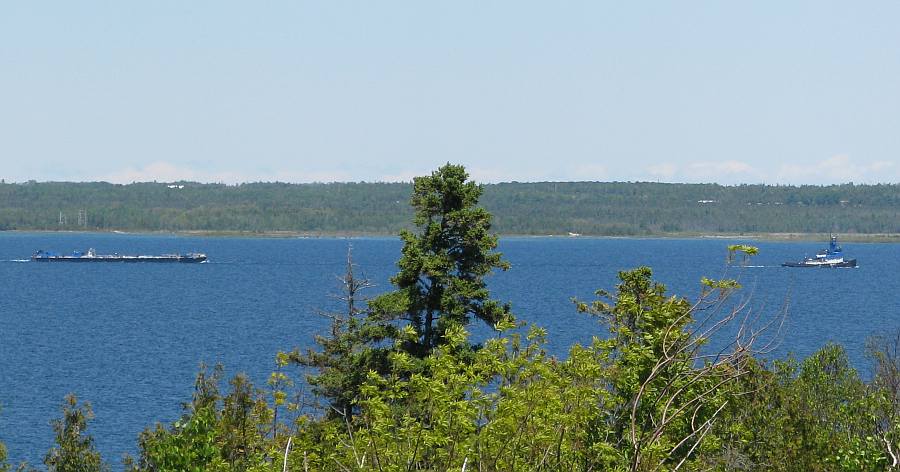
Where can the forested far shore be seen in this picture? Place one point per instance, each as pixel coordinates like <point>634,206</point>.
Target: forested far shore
<point>543,208</point>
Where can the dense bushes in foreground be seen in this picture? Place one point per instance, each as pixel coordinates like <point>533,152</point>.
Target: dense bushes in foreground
<point>397,384</point>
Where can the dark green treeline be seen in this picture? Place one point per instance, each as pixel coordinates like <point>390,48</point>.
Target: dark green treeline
<point>592,208</point>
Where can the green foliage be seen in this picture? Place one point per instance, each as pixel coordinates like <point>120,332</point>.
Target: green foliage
<point>190,445</point>
<point>74,450</point>
<point>347,354</point>
<point>635,401</point>
<point>215,434</point>
<point>440,287</point>
<point>741,252</point>
<point>441,284</point>
<point>884,393</point>
<point>663,396</point>
<point>4,466</point>
<point>814,415</point>
<point>743,248</point>
<point>507,407</point>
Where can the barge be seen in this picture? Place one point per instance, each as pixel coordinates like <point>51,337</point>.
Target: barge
<point>92,256</point>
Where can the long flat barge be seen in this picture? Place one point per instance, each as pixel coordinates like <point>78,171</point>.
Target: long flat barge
<point>92,256</point>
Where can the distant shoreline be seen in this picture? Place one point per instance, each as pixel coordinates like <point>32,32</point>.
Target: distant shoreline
<point>849,237</point>
<point>593,209</point>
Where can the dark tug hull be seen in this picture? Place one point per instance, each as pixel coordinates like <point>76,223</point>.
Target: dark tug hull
<point>847,263</point>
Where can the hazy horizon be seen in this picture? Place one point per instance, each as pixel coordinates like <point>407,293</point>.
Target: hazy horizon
<point>235,184</point>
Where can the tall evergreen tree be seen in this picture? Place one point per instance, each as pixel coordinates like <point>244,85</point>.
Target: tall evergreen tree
<point>444,262</point>
<point>440,284</point>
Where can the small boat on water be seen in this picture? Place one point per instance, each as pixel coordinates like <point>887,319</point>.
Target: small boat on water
<point>92,256</point>
<point>832,256</point>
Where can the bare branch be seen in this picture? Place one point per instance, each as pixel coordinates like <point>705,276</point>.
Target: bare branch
<point>708,426</point>
<point>287,449</point>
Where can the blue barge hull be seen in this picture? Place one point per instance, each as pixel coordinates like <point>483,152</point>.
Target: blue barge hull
<point>91,256</point>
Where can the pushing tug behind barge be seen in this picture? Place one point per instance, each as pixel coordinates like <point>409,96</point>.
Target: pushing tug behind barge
<point>830,257</point>
<point>92,256</point>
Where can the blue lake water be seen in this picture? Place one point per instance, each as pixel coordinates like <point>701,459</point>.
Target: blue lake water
<point>129,338</point>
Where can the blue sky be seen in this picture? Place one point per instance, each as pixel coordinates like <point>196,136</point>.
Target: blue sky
<point>219,91</point>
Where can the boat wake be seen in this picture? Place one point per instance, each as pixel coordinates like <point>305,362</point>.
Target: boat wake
<point>18,260</point>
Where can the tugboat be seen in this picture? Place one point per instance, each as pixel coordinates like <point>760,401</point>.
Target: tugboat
<point>833,256</point>
<point>92,256</point>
